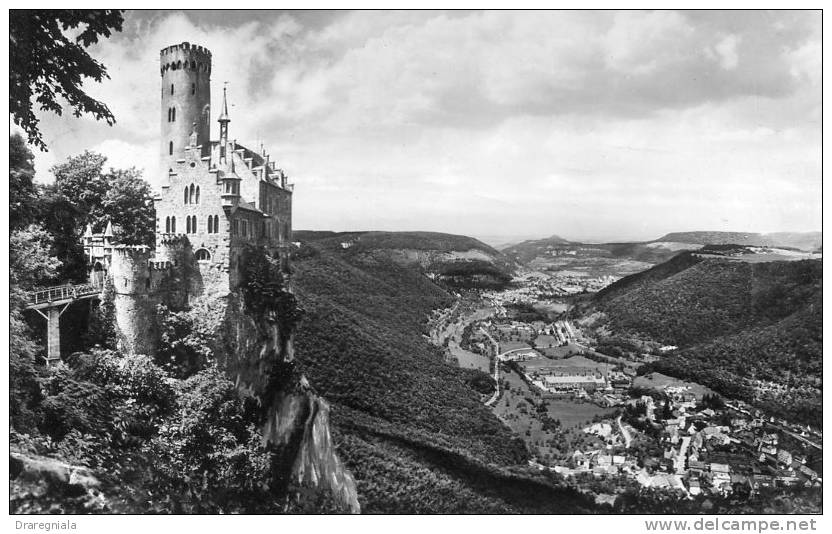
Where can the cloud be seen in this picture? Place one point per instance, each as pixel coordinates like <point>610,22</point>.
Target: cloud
<point>726,50</point>
<point>627,123</point>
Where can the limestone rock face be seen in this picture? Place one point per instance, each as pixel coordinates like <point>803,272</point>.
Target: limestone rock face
<point>259,358</point>
<point>299,422</point>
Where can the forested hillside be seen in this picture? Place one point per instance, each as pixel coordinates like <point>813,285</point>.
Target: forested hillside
<point>455,261</point>
<point>411,429</point>
<point>749,330</point>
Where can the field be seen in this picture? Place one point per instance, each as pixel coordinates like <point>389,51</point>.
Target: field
<point>660,381</point>
<point>520,416</point>
<point>468,359</point>
<point>572,413</point>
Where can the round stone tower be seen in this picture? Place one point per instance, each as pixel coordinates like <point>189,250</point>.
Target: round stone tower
<point>186,100</point>
<point>132,299</point>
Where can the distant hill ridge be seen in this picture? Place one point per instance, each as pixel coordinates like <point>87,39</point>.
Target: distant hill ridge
<point>400,240</point>
<point>800,240</point>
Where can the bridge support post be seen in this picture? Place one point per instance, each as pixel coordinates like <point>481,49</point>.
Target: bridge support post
<point>53,332</point>
<point>53,335</point>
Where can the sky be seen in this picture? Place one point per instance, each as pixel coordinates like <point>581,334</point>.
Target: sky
<point>592,125</point>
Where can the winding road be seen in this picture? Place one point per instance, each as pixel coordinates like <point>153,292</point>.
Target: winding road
<point>497,359</point>
<point>624,433</point>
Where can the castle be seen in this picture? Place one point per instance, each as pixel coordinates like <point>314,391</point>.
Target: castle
<point>217,197</point>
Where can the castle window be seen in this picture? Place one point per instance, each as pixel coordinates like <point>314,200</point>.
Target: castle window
<point>170,148</point>
<point>186,194</point>
<point>245,228</point>
<point>191,199</point>
<point>193,88</point>
<point>234,227</point>
<point>171,88</point>
<point>173,115</point>
<point>167,225</point>
<point>210,224</point>
<point>173,225</point>
<point>197,193</point>
<point>187,225</point>
<point>147,283</point>
<point>203,255</point>
<point>216,224</point>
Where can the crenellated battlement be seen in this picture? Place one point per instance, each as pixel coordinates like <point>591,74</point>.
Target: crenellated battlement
<point>172,239</point>
<point>185,56</point>
<point>160,265</point>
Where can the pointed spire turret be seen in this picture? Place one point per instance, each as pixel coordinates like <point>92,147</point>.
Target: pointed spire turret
<point>108,232</point>
<point>88,231</point>
<point>224,120</point>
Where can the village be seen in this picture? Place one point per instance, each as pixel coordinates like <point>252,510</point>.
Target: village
<point>648,431</point>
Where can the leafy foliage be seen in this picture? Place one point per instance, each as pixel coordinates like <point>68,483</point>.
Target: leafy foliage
<point>30,262</point>
<point>183,349</point>
<point>47,65</point>
<point>22,191</point>
<point>265,290</point>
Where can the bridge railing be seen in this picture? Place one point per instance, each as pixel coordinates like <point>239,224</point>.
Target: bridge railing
<point>64,292</point>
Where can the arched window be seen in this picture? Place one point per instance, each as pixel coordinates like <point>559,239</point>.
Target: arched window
<point>188,225</point>
<point>173,224</point>
<point>171,88</point>
<point>191,200</point>
<point>186,194</point>
<point>172,114</point>
<point>202,255</point>
<point>167,225</point>
<point>170,148</point>
<point>216,224</point>
<point>197,195</point>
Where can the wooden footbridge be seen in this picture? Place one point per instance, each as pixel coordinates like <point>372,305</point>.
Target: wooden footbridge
<point>51,303</point>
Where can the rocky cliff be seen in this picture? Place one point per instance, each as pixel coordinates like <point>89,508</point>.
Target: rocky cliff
<point>255,346</point>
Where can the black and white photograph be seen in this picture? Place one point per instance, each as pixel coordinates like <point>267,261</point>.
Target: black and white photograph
<point>462,262</point>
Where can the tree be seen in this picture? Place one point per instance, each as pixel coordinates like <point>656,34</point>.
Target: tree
<point>30,262</point>
<point>128,203</point>
<point>49,66</point>
<point>84,193</point>
<point>22,191</point>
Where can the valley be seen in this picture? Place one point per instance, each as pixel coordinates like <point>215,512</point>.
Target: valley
<point>587,393</point>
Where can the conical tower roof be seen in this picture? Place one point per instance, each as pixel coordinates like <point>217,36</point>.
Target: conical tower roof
<point>224,113</point>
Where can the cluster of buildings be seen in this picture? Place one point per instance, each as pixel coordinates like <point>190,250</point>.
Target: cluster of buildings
<point>705,451</point>
<point>537,286</point>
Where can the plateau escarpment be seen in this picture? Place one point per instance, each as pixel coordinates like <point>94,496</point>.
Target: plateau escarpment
<point>456,262</point>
